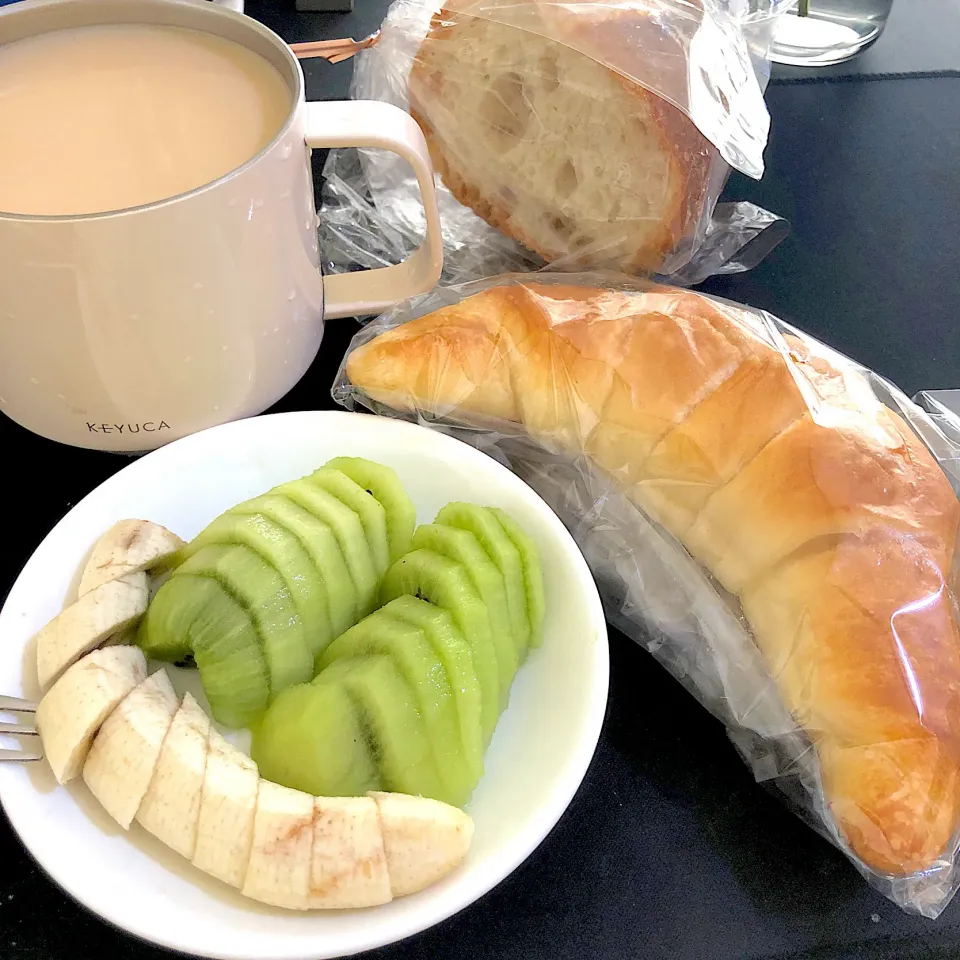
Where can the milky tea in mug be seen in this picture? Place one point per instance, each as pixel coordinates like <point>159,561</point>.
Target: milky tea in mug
<point>160,268</point>
<point>103,118</point>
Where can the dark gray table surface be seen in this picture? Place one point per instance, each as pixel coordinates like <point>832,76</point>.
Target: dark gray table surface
<point>669,850</point>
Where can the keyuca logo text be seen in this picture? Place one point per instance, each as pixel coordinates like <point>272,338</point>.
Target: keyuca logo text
<point>148,426</point>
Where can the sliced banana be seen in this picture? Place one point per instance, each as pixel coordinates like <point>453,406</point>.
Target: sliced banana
<point>203,797</point>
<point>349,866</point>
<point>72,711</point>
<point>87,623</point>
<point>282,852</point>
<point>124,754</point>
<point>170,809</point>
<point>424,839</point>
<point>227,808</point>
<point>128,547</point>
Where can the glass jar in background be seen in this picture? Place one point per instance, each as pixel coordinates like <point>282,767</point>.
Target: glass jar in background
<point>817,33</point>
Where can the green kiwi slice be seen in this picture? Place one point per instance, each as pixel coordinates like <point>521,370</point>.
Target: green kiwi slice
<point>418,664</point>
<point>443,582</point>
<point>464,548</point>
<point>532,573</point>
<point>383,483</point>
<point>485,526</point>
<point>373,517</point>
<point>281,549</point>
<point>312,739</point>
<point>259,589</point>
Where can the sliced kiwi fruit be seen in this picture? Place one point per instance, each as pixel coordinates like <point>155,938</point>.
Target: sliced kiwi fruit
<point>196,614</point>
<point>232,667</point>
<point>532,573</point>
<point>372,516</point>
<point>312,739</point>
<point>164,631</point>
<point>320,543</point>
<point>283,551</point>
<point>387,708</point>
<point>418,664</point>
<point>464,548</point>
<point>348,530</point>
<point>383,483</point>
<point>260,590</point>
<point>485,526</point>
<point>454,655</point>
<point>441,581</point>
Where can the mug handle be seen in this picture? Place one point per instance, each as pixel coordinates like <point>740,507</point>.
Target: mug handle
<point>371,123</point>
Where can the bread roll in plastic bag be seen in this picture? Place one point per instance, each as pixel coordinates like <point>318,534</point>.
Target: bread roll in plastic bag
<point>775,523</point>
<point>584,135</point>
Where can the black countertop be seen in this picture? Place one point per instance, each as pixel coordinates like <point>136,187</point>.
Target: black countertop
<point>669,850</point>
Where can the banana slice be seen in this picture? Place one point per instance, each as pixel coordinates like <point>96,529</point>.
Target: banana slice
<point>170,809</point>
<point>227,808</point>
<point>127,547</point>
<point>88,623</point>
<point>424,839</point>
<point>349,864</point>
<point>124,754</point>
<point>72,711</point>
<point>282,852</point>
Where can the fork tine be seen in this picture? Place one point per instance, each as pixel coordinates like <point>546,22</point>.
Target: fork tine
<point>19,729</point>
<point>24,728</point>
<point>21,755</point>
<point>16,705</point>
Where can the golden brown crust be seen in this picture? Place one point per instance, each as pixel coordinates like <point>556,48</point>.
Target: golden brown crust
<point>718,438</point>
<point>815,479</point>
<point>861,634</point>
<point>782,473</point>
<point>613,37</point>
<point>895,803</point>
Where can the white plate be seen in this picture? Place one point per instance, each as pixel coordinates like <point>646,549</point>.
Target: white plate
<point>538,756</point>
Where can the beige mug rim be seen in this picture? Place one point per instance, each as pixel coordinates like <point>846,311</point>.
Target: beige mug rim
<point>208,12</point>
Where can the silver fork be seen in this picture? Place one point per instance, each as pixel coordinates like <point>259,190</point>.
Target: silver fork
<point>26,728</point>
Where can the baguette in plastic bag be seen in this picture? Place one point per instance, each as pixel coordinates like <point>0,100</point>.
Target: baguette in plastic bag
<point>774,522</point>
<point>583,134</point>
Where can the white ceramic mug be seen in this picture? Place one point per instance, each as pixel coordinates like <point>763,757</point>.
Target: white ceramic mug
<point>123,331</point>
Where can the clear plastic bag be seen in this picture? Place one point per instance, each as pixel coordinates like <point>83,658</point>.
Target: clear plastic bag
<point>684,80</point>
<point>848,707</point>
